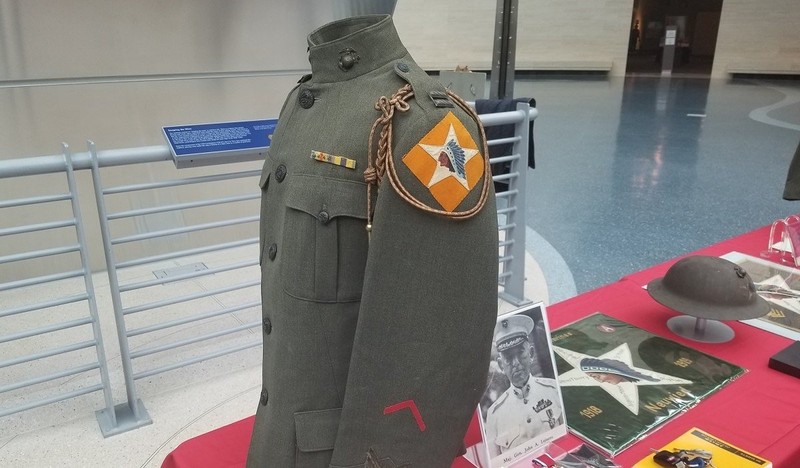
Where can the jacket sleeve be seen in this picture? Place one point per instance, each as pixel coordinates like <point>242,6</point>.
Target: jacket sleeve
<point>429,304</point>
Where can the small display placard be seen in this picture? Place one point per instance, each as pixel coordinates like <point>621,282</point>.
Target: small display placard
<point>221,142</point>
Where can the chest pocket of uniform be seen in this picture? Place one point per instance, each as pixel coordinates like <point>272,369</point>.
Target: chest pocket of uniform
<point>324,239</point>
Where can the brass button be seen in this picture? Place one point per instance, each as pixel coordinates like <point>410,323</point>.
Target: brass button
<point>267,325</point>
<point>264,397</point>
<point>280,173</point>
<point>273,251</point>
<point>403,67</point>
<point>323,217</point>
<point>306,99</point>
<point>347,58</point>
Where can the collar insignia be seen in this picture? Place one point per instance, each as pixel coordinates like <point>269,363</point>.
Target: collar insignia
<point>522,392</point>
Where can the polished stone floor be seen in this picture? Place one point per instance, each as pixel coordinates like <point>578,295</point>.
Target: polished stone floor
<point>634,171</point>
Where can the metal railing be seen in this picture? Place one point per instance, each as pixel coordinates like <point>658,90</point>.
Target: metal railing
<point>176,296</point>
<point>165,319</point>
<point>65,356</point>
<point>511,202</point>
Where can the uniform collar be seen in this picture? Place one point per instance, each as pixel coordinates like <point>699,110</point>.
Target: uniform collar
<point>522,393</point>
<point>370,41</point>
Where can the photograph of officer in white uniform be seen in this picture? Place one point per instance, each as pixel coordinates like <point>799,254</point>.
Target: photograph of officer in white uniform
<point>531,406</point>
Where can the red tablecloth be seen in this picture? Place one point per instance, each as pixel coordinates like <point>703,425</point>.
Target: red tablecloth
<point>759,412</point>
<point>226,447</point>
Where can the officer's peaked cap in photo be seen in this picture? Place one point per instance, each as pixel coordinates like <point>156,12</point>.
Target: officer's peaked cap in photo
<point>512,331</point>
<point>612,366</point>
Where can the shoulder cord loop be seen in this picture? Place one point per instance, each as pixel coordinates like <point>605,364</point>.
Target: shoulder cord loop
<point>384,163</point>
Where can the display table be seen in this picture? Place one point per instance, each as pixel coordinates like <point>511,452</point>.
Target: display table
<point>226,447</point>
<point>759,412</point>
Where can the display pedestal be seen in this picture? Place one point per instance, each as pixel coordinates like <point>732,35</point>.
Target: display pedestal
<point>700,329</point>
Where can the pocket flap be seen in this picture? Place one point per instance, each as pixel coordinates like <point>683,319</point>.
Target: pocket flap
<point>508,437</point>
<point>316,430</point>
<point>266,170</point>
<point>337,197</point>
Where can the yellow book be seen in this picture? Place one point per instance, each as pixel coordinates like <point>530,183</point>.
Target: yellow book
<point>723,454</point>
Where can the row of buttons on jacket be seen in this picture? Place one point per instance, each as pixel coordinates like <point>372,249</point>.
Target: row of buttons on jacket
<point>272,252</point>
<point>280,174</point>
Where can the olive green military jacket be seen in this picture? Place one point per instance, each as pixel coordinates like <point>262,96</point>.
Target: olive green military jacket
<point>375,349</point>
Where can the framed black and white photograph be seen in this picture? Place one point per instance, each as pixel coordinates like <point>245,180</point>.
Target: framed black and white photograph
<point>522,409</point>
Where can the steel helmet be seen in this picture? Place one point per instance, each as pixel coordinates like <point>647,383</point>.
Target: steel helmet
<point>710,288</point>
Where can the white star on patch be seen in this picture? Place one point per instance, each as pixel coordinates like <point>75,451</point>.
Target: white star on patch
<point>450,159</point>
<point>627,393</point>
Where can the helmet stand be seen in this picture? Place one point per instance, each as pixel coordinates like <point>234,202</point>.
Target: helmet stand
<point>700,329</point>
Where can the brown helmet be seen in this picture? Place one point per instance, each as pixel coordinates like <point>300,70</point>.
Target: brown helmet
<point>710,288</point>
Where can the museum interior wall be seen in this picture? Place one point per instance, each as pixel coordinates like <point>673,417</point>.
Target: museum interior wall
<point>551,35</point>
<point>95,38</point>
<point>76,38</point>
<point>758,37</point>
<point>116,71</point>
<point>761,37</point>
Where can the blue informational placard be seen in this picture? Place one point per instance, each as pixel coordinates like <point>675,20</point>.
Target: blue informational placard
<point>222,142</point>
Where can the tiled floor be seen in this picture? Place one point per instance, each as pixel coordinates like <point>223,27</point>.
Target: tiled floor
<point>629,172</point>
<point>632,172</point>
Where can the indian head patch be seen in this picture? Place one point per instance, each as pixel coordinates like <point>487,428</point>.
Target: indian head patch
<point>447,161</point>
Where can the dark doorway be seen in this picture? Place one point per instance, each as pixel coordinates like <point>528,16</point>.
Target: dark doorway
<point>697,23</point>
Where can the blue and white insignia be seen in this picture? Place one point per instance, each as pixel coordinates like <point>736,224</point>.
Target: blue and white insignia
<point>451,159</point>
<point>456,158</point>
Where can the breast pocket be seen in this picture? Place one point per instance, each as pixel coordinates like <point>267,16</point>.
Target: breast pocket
<point>324,239</point>
<point>508,439</point>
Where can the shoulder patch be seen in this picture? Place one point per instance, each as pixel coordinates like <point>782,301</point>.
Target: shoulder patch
<point>447,161</point>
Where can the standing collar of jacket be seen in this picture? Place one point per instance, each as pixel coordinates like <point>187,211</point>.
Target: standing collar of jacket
<point>371,41</point>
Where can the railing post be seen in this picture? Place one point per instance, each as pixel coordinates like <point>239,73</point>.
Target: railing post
<point>504,52</point>
<point>131,414</point>
<point>87,275</point>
